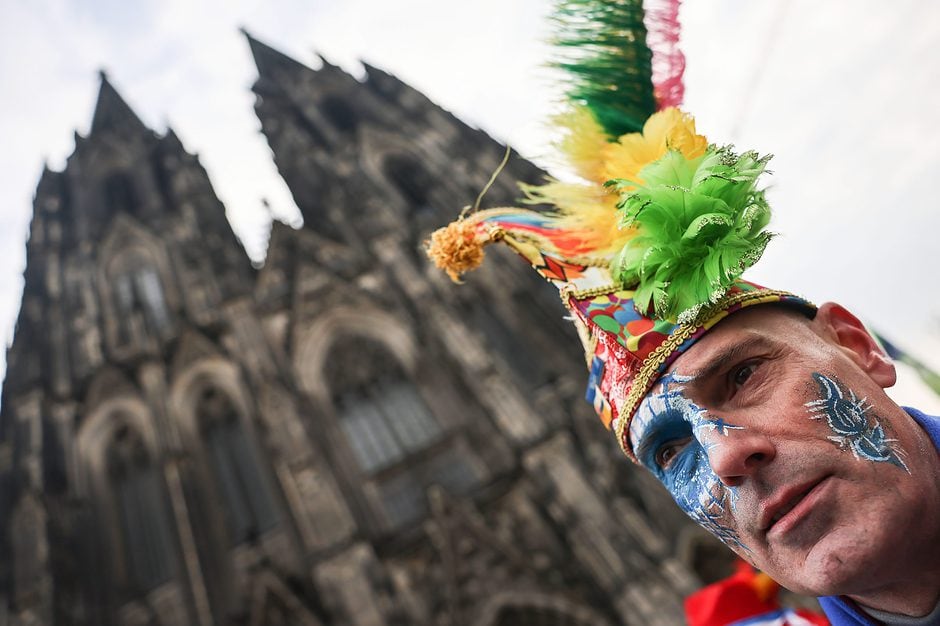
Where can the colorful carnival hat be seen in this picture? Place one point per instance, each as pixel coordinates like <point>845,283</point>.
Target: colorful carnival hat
<point>647,251</point>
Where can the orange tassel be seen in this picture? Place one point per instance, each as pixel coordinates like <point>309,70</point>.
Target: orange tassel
<point>457,248</point>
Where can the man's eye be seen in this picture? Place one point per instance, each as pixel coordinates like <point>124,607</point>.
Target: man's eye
<point>668,451</point>
<point>741,374</point>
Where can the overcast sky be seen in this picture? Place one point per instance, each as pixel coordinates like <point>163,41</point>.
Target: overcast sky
<point>845,93</point>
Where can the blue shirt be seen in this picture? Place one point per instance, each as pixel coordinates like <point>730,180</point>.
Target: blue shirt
<point>842,611</point>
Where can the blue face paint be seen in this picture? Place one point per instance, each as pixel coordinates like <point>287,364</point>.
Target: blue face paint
<point>669,416</point>
<point>854,428</point>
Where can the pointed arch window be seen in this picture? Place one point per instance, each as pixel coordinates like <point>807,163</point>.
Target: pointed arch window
<point>380,411</point>
<point>400,445</point>
<point>140,502</point>
<point>140,289</point>
<point>385,421</point>
<point>139,298</point>
<point>249,505</point>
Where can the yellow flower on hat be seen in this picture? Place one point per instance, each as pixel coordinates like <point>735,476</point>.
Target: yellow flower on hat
<point>664,130</point>
<point>589,209</point>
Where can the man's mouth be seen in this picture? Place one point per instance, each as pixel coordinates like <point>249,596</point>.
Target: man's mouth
<point>784,501</point>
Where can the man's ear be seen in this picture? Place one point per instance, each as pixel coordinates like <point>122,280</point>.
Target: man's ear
<point>850,335</point>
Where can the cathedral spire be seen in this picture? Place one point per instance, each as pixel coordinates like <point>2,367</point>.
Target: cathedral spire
<point>270,61</point>
<point>111,111</point>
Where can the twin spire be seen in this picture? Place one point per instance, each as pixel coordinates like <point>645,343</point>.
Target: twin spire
<point>113,113</point>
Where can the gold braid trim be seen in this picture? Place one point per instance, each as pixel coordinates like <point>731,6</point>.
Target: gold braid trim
<point>569,291</point>
<point>647,376</point>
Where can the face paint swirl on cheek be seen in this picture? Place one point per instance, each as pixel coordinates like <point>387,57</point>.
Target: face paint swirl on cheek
<point>855,428</point>
<point>669,416</point>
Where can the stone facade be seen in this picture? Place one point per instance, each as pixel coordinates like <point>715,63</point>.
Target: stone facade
<point>339,437</point>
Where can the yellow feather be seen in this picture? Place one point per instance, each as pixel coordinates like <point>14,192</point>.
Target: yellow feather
<point>589,210</point>
<point>583,143</point>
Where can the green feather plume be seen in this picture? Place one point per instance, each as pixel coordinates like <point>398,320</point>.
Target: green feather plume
<point>602,46</point>
<point>700,223</point>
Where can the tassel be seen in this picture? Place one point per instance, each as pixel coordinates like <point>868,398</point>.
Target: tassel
<point>457,248</point>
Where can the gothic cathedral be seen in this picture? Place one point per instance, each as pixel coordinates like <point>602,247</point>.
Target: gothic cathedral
<point>340,437</point>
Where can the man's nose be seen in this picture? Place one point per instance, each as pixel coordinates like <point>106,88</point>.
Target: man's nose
<point>739,454</point>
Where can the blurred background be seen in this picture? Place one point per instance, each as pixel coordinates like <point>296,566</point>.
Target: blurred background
<point>239,396</point>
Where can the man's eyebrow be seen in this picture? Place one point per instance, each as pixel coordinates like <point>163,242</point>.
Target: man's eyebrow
<point>728,355</point>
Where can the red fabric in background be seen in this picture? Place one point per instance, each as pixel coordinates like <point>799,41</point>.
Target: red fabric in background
<point>745,594</point>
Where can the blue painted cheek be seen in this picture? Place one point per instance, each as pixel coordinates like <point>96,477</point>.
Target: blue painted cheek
<point>670,416</point>
<point>700,493</point>
<point>689,476</point>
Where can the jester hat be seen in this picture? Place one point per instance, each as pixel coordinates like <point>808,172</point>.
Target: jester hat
<point>648,248</point>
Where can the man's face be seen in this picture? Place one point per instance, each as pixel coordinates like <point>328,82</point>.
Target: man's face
<point>781,442</point>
